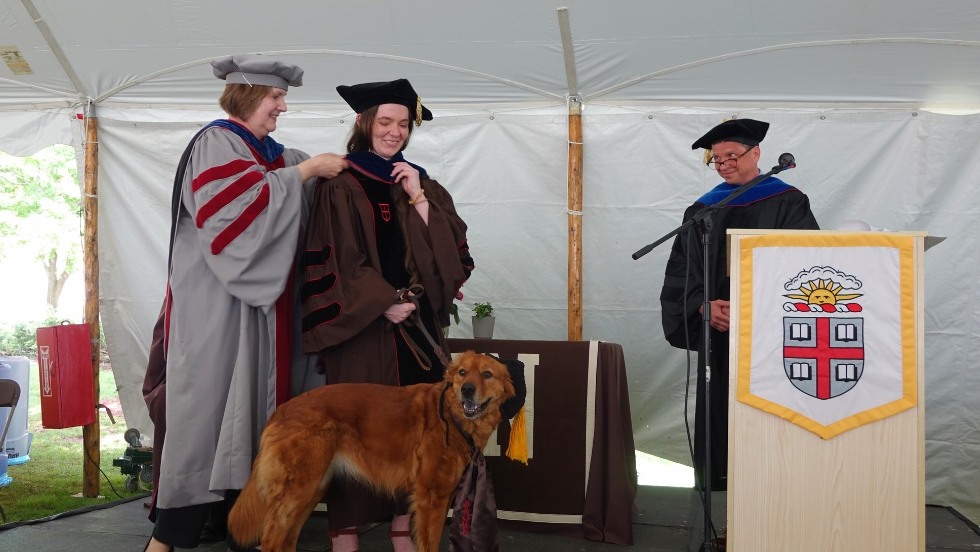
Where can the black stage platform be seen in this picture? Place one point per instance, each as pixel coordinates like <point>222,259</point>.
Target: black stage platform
<point>667,519</point>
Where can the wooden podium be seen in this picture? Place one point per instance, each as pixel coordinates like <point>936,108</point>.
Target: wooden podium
<point>800,478</point>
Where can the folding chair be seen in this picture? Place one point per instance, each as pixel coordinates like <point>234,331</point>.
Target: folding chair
<point>9,395</point>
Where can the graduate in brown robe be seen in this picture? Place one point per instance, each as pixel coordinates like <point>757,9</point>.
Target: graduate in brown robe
<point>381,226</point>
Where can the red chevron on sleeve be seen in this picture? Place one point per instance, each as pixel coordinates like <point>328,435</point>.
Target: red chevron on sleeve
<point>243,221</point>
<point>226,196</point>
<point>230,168</point>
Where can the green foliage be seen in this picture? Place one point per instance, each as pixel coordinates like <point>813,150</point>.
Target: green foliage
<point>21,339</point>
<point>18,341</point>
<point>454,312</point>
<point>43,184</point>
<point>482,310</point>
<point>40,212</point>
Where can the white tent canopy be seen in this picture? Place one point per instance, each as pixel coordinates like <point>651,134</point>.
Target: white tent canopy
<point>860,91</point>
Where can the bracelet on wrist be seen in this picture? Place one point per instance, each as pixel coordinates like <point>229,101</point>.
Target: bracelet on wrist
<point>419,198</point>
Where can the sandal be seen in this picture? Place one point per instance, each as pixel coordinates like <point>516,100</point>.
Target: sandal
<point>339,532</point>
<point>393,534</point>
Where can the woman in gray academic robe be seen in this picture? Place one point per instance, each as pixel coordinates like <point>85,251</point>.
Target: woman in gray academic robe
<point>227,331</point>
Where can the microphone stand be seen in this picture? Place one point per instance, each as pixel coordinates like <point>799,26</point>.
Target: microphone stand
<point>702,219</point>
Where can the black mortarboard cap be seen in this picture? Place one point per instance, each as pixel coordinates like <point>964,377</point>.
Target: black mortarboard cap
<point>744,131</point>
<point>513,405</point>
<point>370,94</point>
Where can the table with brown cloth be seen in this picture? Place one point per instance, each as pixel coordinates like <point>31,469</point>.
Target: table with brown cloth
<point>581,471</point>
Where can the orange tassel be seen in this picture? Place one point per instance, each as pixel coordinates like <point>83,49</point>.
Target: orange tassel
<point>517,447</point>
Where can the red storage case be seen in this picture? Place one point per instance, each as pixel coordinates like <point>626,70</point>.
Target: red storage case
<point>67,384</point>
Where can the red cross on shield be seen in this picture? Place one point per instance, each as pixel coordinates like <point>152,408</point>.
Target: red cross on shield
<point>824,357</point>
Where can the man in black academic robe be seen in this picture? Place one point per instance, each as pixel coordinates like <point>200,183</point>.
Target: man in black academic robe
<point>770,204</point>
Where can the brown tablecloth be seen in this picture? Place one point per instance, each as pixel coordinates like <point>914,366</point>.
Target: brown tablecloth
<point>581,471</point>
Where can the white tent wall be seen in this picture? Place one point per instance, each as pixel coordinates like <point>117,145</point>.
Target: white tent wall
<point>25,132</point>
<point>895,169</point>
<point>845,84</point>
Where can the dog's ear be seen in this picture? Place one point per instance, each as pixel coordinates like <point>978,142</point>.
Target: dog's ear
<point>450,370</point>
<point>455,364</point>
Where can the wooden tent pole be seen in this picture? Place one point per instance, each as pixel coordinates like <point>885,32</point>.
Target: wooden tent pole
<point>574,179</point>
<point>90,433</point>
<point>574,219</point>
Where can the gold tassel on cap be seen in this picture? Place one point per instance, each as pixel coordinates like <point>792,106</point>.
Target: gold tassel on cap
<point>418,111</point>
<point>517,447</point>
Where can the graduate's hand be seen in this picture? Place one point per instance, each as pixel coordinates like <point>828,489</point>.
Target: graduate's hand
<point>398,312</point>
<point>408,177</point>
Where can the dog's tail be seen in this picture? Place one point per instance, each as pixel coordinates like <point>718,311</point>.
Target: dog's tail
<point>247,518</point>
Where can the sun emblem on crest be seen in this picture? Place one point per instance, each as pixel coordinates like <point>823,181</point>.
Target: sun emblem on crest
<point>822,292</point>
<point>822,288</point>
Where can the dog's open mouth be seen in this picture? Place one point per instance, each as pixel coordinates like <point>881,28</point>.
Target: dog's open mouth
<point>471,409</point>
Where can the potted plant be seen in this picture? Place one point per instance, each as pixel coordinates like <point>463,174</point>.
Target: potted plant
<point>483,320</point>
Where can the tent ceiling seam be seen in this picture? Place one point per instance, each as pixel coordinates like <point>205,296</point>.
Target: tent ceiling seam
<point>776,47</point>
<point>452,68</point>
<point>56,49</point>
<point>72,95</point>
<point>568,50</point>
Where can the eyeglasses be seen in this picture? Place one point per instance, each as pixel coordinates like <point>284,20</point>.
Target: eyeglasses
<point>716,162</point>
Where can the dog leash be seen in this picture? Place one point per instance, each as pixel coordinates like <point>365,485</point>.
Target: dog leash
<point>411,294</point>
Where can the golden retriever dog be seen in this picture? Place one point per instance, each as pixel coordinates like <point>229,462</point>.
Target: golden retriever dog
<point>398,440</point>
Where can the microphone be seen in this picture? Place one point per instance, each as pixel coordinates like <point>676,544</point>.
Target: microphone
<point>787,161</point>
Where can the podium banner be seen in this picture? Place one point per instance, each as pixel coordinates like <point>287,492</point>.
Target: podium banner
<point>827,328</point>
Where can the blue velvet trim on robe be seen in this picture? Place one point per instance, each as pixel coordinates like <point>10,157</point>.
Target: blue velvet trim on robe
<point>767,188</point>
<point>269,149</point>
<point>378,167</point>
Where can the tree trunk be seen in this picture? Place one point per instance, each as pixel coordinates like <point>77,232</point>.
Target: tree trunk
<point>56,280</point>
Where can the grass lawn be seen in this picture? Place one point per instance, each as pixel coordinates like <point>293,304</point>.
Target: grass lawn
<point>50,482</point>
